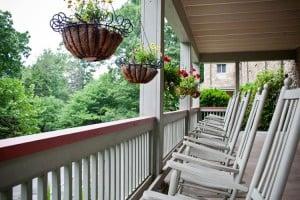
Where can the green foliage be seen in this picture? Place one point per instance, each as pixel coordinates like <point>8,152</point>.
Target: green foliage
<point>13,45</point>
<point>109,98</point>
<point>187,86</point>
<point>274,79</point>
<point>48,109</point>
<point>47,76</point>
<point>171,43</point>
<point>201,71</point>
<point>17,114</point>
<point>172,80</point>
<point>89,12</point>
<point>213,98</point>
<point>143,55</point>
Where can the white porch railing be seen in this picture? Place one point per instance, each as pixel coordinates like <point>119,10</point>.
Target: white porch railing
<point>174,130</point>
<point>112,160</point>
<point>103,161</point>
<point>204,111</point>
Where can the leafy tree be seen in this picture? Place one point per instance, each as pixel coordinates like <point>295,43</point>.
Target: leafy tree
<point>109,98</point>
<point>48,110</point>
<point>48,75</point>
<point>274,79</point>
<point>13,45</point>
<point>17,114</point>
<point>80,73</point>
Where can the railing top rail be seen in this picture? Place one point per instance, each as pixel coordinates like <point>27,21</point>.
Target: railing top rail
<point>20,146</point>
<point>194,109</point>
<point>213,109</point>
<point>174,116</point>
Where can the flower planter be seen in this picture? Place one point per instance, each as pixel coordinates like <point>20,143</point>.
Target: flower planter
<point>138,73</point>
<point>90,42</point>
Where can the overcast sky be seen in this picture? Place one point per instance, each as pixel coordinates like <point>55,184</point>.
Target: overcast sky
<point>34,16</point>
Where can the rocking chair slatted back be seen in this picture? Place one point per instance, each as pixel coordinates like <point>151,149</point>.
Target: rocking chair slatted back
<point>249,134</point>
<point>238,121</point>
<point>279,148</point>
<point>229,121</point>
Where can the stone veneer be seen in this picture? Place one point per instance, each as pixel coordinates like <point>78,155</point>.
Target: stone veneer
<point>248,72</point>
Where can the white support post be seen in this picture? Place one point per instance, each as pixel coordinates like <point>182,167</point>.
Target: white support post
<point>185,63</point>
<point>151,94</point>
<point>298,66</point>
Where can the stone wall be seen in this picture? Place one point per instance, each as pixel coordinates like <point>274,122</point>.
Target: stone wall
<point>212,79</point>
<point>248,72</point>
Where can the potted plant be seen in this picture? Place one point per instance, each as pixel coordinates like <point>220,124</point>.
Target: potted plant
<point>141,66</point>
<point>189,83</point>
<point>92,33</point>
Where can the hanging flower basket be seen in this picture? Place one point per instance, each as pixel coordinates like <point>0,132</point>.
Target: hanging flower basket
<point>138,73</point>
<point>143,65</point>
<point>95,38</point>
<point>188,84</point>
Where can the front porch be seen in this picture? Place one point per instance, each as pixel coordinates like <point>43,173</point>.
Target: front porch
<point>122,159</point>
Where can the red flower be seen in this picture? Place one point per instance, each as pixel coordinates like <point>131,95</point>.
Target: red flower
<point>167,59</point>
<point>183,73</point>
<point>193,69</point>
<point>197,76</point>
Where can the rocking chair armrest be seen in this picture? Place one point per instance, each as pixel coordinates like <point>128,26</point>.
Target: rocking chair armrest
<point>205,163</point>
<point>222,156</point>
<point>213,132</point>
<point>207,125</point>
<point>152,195</point>
<point>217,144</point>
<point>207,176</point>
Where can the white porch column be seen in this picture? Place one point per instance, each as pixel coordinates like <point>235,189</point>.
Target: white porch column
<point>185,63</point>
<point>151,94</point>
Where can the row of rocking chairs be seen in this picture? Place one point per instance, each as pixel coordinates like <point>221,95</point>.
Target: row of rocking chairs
<point>210,159</point>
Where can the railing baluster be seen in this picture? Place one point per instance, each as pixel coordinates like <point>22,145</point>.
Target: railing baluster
<point>130,181</point>
<point>112,173</point>
<point>122,170</point>
<point>67,173</point>
<point>126,169</point>
<point>86,178</point>
<point>100,176</point>
<point>78,180</point>
<point>106,174</point>
<point>42,187</point>
<point>134,160</point>
<point>143,156</point>
<point>26,190</point>
<point>118,174</point>
<point>93,160</point>
<point>56,193</point>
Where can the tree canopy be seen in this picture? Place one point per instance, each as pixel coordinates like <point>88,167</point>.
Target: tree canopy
<point>13,46</point>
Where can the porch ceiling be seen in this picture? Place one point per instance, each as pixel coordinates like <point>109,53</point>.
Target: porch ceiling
<point>223,26</point>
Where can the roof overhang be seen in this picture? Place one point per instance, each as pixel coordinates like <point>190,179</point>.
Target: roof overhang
<point>231,30</point>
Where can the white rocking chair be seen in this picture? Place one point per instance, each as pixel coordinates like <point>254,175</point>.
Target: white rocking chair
<point>274,163</point>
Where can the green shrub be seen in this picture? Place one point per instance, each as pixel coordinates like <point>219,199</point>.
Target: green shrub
<point>275,82</point>
<point>213,98</point>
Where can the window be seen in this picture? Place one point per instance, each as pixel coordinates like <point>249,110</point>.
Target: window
<point>221,68</point>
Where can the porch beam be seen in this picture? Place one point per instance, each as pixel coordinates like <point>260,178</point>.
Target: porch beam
<point>151,94</point>
<point>248,56</point>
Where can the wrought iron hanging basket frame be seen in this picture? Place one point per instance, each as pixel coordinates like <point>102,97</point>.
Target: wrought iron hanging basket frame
<point>106,32</point>
<point>139,73</point>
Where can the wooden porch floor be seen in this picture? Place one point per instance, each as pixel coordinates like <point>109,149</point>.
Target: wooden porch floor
<point>292,190</point>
